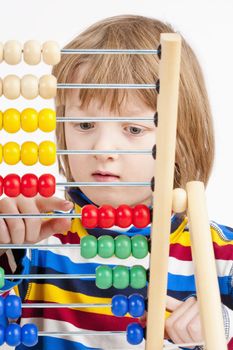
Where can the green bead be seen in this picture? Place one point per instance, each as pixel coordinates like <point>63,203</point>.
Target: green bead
<point>2,275</point>
<point>88,247</point>
<point>139,246</point>
<point>122,247</point>
<point>120,276</point>
<point>137,277</point>
<point>103,278</point>
<point>106,246</point>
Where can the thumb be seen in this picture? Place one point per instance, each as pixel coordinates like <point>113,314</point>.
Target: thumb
<point>172,303</point>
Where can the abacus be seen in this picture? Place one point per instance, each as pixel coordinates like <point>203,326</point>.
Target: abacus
<point>167,200</point>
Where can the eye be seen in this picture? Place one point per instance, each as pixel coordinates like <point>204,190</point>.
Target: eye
<point>84,126</point>
<point>134,130</point>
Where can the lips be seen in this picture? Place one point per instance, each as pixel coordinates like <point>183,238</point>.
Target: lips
<point>105,176</point>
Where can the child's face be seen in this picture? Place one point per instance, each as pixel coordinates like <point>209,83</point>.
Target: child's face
<point>111,136</point>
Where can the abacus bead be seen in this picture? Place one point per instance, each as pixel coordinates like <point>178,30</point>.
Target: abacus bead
<point>2,306</point>
<point>137,277</point>
<point>119,305</point>
<point>29,120</point>
<point>12,52</point>
<point>47,185</point>
<point>1,153</point>
<point>106,216</point>
<point>135,333</point>
<point>1,52</point>
<point>136,305</point>
<point>29,185</point>
<point>29,86</point>
<point>29,334</point>
<point>47,120</point>
<point>2,335</point>
<point>139,246</point>
<point>179,200</point>
<point>1,185</point>
<point>11,120</point>
<point>122,247</point>
<point>51,53</point>
<point>89,217</point>
<point>11,87</point>
<point>32,52</point>
<point>106,246</point>
<point>1,120</point>
<point>120,277</point>
<point>47,153</point>
<point>103,277</point>
<point>11,153</point>
<point>11,185</point>
<point>124,216</point>
<point>1,87</point>
<point>13,334</point>
<point>29,153</point>
<point>2,275</point>
<point>141,216</point>
<point>47,86</point>
<point>13,307</point>
<point>88,247</point>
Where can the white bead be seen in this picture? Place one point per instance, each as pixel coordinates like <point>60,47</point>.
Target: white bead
<point>51,53</point>
<point>0,87</point>
<point>12,52</point>
<point>48,86</point>
<point>179,200</point>
<point>29,86</point>
<point>32,52</point>
<point>1,52</point>
<point>11,87</point>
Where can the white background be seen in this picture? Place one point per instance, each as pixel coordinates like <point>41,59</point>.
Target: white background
<point>207,25</point>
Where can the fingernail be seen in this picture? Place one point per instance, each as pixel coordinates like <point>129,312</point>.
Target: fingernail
<point>68,203</point>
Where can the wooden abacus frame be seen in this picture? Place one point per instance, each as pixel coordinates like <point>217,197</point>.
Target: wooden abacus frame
<point>201,243</point>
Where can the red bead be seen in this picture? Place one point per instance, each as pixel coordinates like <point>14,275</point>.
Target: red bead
<point>124,216</point>
<point>29,185</point>
<point>89,217</point>
<point>1,185</point>
<point>11,185</point>
<point>106,216</point>
<point>46,185</point>
<point>141,215</point>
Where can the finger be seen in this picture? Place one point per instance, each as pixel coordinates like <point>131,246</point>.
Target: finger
<point>181,325</point>
<point>4,233</point>
<point>53,203</point>
<point>50,227</point>
<point>32,225</point>
<point>195,329</point>
<point>169,323</point>
<point>15,226</point>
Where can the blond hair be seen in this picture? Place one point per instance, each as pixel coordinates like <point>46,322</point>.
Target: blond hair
<point>195,135</point>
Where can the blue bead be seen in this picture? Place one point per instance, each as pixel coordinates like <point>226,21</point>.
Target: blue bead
<point>29,334</point>
<point>136,305</point>
<point>119,305</point>
<point>13,334</point>
<point>13,307</point>
<point>2,302</point>
<point>2,335</point>
<point>135,333</point>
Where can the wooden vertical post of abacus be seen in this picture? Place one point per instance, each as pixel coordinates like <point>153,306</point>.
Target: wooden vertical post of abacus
<point>167,107</point>
<point>205,268</point>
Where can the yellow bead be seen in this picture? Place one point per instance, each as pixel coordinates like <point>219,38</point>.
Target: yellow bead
<point>29,153</point>
<point>0,154</point>
<point>11,120</point>
<point>11,153</point>
<point>47,153</point>
<point>1,120</point>
<point>29,120</point>
<point>47,120</point>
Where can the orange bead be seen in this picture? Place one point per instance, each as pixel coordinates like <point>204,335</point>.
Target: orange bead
<point>29,153</point>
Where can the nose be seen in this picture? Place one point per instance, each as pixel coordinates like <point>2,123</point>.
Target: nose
<point>106,141</point>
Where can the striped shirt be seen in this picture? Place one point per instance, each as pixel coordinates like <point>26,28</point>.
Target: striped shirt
<point>181,284</point>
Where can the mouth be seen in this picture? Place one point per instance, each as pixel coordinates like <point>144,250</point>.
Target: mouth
<point>105,177</point>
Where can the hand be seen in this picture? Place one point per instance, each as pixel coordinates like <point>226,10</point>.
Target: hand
<point>31,230</point>
<point>183,325</point>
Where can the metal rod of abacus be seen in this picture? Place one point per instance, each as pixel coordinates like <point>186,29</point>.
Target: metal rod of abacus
<point>111,151</point>
<point>105,86</point>
<point>103,119</point>
<point>109,51</point>
<point>49,276</point>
